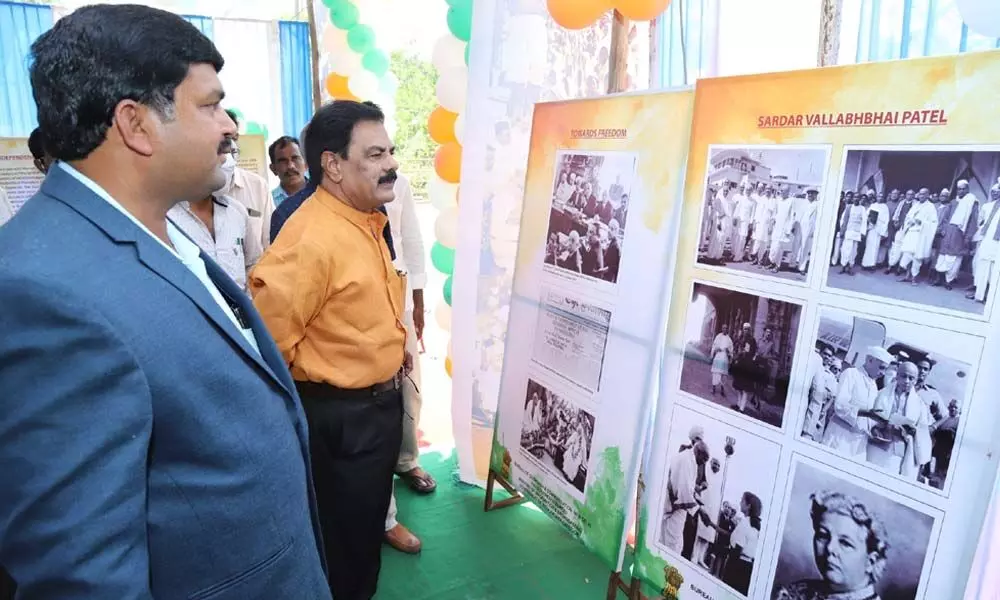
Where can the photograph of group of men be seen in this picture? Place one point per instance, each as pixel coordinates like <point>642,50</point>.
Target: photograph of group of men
<point>878,394</point>
<point>557,433</point>
<point>590,200</point>
<point>919,226</point>
<point>760,209</point>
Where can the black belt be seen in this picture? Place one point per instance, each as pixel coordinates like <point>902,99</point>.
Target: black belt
<point>325,391</point>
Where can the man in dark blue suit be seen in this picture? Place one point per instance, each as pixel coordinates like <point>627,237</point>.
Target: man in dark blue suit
<point>151,438</point>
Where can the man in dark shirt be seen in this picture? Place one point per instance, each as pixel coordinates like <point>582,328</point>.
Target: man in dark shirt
<point>292,203</point>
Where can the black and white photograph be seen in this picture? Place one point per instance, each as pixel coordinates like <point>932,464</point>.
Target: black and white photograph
<point>918,226</point>
<point>760,209</point>
<point>719,485</point>
<point>738,351</point>
<point>841,540</point>
<point>558,434</point>
<point>571,338</point>
<point>590,203</point>
<point>889,393</point>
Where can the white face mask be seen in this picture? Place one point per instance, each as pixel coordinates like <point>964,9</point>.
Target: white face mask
<point>229,168</point>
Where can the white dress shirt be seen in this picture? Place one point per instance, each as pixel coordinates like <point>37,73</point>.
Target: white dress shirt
<point>250,190</point>
<point>186,251</point>
<point>407,242</point>
<point>6,210</point>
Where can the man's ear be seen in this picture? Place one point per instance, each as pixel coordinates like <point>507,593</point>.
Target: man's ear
<point>332,166</point>
<point>137,125</point>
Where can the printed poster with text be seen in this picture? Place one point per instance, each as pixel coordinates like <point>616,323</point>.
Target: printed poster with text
<point>597,231</point>
<point>19,177</point>
<point>824,428</point>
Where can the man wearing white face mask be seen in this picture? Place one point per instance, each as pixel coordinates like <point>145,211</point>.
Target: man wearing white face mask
<point>221,228</point>
<point>250,190</point>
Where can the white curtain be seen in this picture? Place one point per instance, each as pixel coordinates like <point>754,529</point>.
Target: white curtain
<point>251,76</point>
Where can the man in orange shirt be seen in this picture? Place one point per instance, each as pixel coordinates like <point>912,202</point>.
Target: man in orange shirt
<point>330,296</point>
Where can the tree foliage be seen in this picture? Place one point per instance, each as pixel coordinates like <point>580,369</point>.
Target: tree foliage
<point>415,100</point>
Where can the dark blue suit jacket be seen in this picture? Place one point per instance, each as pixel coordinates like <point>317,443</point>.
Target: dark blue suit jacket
<point>146,449</point>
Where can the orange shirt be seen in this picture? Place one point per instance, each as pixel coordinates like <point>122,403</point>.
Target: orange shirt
<point>330,296</point>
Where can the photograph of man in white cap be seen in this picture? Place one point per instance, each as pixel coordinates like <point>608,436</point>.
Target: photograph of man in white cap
<point>920,249</point>
<point>898,404</point>
<point>853,409</point>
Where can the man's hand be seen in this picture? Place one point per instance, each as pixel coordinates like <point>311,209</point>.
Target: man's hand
<point>418,313</point>
<point>407,363</point>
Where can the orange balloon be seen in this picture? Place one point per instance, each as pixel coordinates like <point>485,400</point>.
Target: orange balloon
<point>577,14</point>
<point>448,162</point>
<point>441,125</point>
<point>336,86</point>
<point>641,10</point>
<point>447,365</point>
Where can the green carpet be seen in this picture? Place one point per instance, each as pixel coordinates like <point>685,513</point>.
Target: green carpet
<point>514,553</point>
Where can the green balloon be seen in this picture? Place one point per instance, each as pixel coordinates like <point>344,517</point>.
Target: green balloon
<point>447,290</point>
<point>344,15</point>
<point>467,46</point>
<point>375,61</point>
<point>443,258</point>
<point>332,3</point>
<point>361,38</point>
<point>459,3</point>
<point>460,22</point>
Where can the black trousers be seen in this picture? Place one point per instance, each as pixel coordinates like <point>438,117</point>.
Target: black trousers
<point>354,442</point>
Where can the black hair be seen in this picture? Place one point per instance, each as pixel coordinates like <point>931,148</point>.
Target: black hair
<point>36,144</point>
<point>235,117</point>
<point>280,143</point>
<point>330,131</point>
<point>99,55</point>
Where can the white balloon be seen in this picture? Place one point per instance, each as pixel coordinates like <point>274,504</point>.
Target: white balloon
<point>363,84</point>
<point>345,63</point>
<point>460,127</point>
<point>449,337</point>
<point>982,16</point>
<point>449,52</point>
<point>442,316</point>
<point>443,195</point>
<point>446,227</point>
<point>451,89</point>
<point>390,126</point>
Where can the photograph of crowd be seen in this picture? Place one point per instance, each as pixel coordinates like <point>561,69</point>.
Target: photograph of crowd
<point>844,541</point>
<point>590,202</point>
<point>760,209</point>
<point>919,226</point>
<point>558,434</point>
<point>738,351</point>
<point>878,393</point>
<point>719,483</point>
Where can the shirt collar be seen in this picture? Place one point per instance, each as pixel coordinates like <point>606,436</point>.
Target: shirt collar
<point>359,218</point>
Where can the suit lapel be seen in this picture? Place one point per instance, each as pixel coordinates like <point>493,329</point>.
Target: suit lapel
<point>170,268</point>
<point>64,187</point>
<point>269,356</point>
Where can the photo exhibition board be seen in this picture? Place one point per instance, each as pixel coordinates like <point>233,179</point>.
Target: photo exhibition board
<point>598,228</point>
<point>19,177</point>
<point>823,424</point>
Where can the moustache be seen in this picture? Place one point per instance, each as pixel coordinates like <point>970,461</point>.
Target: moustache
<point>227,146</point>
<point>389,177</point>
